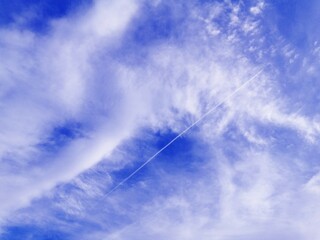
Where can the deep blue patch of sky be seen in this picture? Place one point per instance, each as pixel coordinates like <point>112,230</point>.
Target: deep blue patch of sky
<point>61,136</point>
<point>32,232</point>
<point>296,20</point>
<point>37,14</point>
<point>183,157</point>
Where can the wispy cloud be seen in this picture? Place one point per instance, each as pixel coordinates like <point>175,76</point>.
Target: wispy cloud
<point>253,166</point>
<point>47,82</point>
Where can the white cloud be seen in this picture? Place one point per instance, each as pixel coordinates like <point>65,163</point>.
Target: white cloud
<point>46,81</point>
<point>71,76</point>
<point>223,206</point>
<point>257,9</point>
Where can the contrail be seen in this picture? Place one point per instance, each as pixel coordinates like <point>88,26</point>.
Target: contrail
<point>183,132</point>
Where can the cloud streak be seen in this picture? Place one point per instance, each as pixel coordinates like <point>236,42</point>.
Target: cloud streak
<point>92,97</point>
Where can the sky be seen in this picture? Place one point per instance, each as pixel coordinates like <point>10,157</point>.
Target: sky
<point>159,119</point>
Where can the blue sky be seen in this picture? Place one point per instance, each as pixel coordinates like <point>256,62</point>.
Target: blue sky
<point>90,90</point>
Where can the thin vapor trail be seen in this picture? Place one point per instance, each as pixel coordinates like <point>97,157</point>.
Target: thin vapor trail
<point>184,131</point>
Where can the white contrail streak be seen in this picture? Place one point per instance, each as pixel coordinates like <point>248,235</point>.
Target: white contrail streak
<point>184,131</point>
